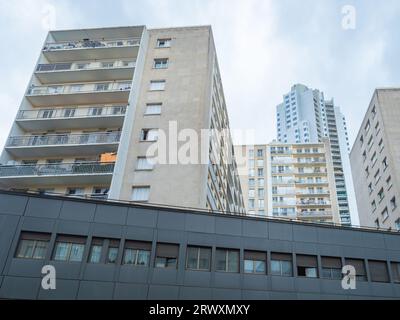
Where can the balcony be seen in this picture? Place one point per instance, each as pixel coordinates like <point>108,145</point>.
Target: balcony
<point>88,71</point>
<point>314,214</point>
<point>72,118</point>
<point>313,203</point>
<point>63,144</point>
<point>313,182</point>
<point>57,174</point>
<point>80,93</point>
<point>91,49</point>
<point>312,193</point>
<point>311,172</point>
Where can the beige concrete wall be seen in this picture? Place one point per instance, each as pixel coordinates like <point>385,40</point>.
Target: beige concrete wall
<point>384,127</point>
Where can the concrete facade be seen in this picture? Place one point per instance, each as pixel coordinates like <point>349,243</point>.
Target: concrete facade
<point>375,161</point>
<point>296,181</point>
<point>99,99</point>
<point>55,217</point>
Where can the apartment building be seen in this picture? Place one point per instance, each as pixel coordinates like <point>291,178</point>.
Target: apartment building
<point>375,161</point>
<point>305,116</point>
<point>97,101</point>
<point>294,181</point>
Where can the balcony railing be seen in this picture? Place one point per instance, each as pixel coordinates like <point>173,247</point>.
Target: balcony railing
<point>312,192</point>
<point>64,139</point>
<point>59,113</point>
<point>311,182</point>
<point>91,44</point>
<point>79,88</point>
<point>313,202</point>
<point>57,169</point>
<point>312,214</point>
<point>53,67</point>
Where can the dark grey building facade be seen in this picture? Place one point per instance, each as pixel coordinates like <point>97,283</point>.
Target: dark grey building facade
<point>109,250</point>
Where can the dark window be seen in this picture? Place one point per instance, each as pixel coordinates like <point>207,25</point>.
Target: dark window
<point>198,258</point>
<point>255,262</point>
<point>227,260</point>
<point>378,271</point>
<point>167,255</point>
<point>395,271</point>
<point>103,251</point>
<point>331,267</point>
<point>281,264</point>
<point>32,245</point>
<point>69,248</point>
<point>137,253</point>
<point>359,266</point>
<point>307,266</point>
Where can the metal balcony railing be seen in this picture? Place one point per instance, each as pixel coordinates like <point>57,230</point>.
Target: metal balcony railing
<point>79,88</point>
<point>312,192</point>
<point>91,44</point>
<point>63,139</point>
<point>58,113</point>
<point>57,169</point>
<point>311,182</point>
<point>313,202</point>
<point>52,67</point>
<point>312,214</point>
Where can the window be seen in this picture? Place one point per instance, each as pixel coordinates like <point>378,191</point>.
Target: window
<point>359,266</point>
<point>260,172</point>
<point>113,249</point>
<point>385,164</point>
<point>395,266</point>
<point>76,88</point>
<point>385,214</point>
<point>75,191</point>
<point>198,258</point>
<point>261,182</point>
<point>261,203</point>
<point>149,135</point>
<point>373,205</point>
<point>167,255</point>
<point>107,64</point>
<point>69,248</point>
<point>377,176</point>
<point>331,267</point>
<point>137,253</point>
<point>153,108</point>
<point>393,204</point>
<point>397,224</point>
<point>378,271</point>
<point>95,111</point>
<point>32,245</point>
<point>160,63</point>
<point>260,163</point>
<point>381,195</point>
<point>96,250</point>
<point>260,153</point>
<point>101,86</point>
<point>251,193</point>
<point>370,188</point>
<point>163,43</point>
<point>140,193</point>
<point>144,163</point>
<point>100,246</point>
<point>367,126</point>
<point>261,193</point>
<point>251,182</point>
<point>255,262</point>
<point>281,264</point>
<point>307,266</point>
<point>227,260</point>
<point>157,85</point>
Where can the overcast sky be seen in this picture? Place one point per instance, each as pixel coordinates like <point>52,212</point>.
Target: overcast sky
<point>264,47</point>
